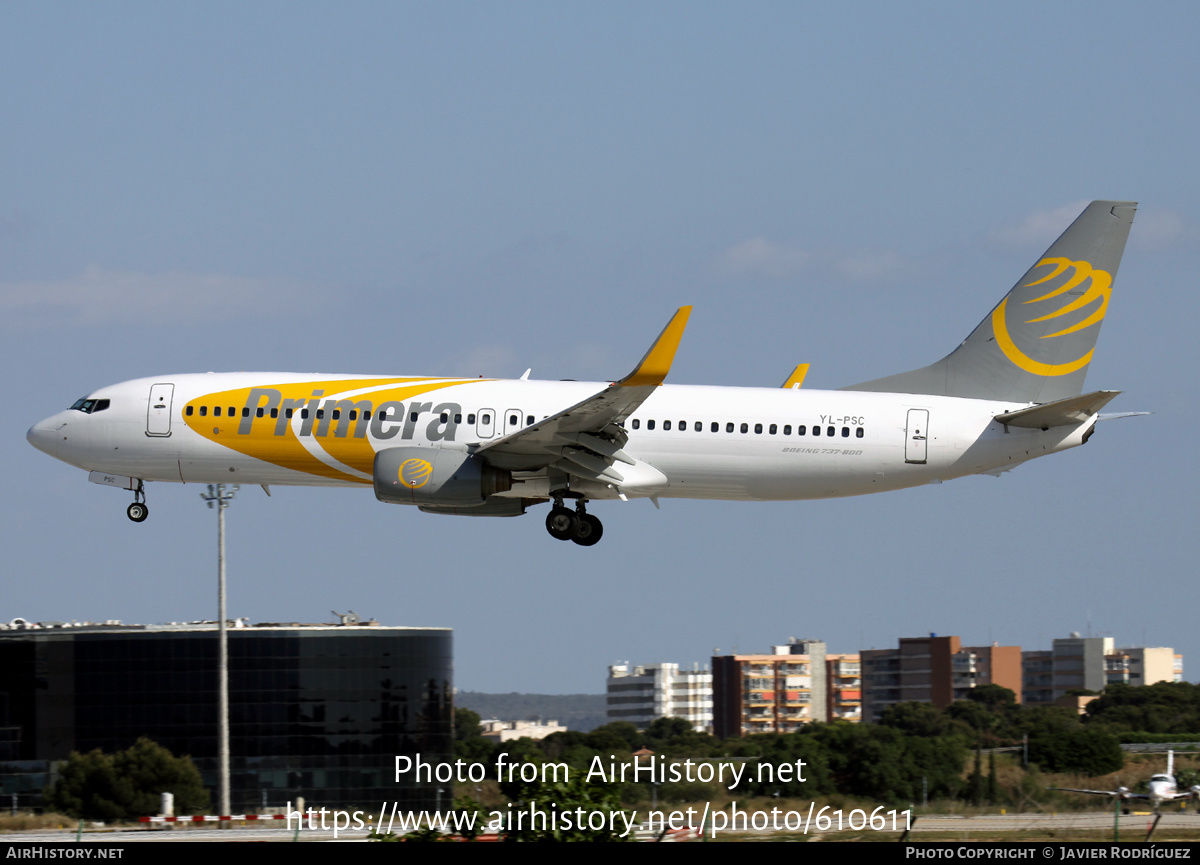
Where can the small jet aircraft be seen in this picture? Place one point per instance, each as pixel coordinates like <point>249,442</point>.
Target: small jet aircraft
<point>1012,391</point>
<point>1162,788</point>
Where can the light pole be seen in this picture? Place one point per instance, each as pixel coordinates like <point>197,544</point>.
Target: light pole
<point>221,494</point>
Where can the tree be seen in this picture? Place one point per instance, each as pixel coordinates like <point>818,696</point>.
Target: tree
<point>570,802</point>
<point>126,784</point>
<point>1085,752</point>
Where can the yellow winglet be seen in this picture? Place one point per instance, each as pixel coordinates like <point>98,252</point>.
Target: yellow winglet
<point>796,379</point>
<point>657,362</point>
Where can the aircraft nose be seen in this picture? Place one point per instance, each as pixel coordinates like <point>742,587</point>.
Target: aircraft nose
<point>44,436</point>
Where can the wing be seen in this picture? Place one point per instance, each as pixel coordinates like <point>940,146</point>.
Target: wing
<point>1124,794</point>
<point>585,440</point>
<point>796,379</point>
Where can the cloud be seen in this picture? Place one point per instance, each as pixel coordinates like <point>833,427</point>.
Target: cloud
<point>1158,229</point>
<point>764,258</point>
<point>761,257</point>
<point>1040,228</point>
<point>100,296</point>
<point>1153,228</point>
<point>869,266</point>
<point>490,361</point>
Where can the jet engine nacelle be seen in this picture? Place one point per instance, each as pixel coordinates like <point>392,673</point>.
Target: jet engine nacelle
<point>437,477</point>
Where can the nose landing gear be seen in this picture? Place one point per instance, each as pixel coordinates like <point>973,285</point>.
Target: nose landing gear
<point>138,510</point>
<point>579,526</point>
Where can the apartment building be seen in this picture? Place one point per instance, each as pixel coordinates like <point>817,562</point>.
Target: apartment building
<point>933,669</point>
<point>644,693</point>
<point>1089,663</point>
<point>775,693</point>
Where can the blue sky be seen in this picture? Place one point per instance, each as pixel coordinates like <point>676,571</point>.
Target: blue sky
<point>474,188</point>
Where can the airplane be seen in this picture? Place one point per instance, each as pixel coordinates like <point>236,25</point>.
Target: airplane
<point>1162,788</point>
<point>1010,392</point>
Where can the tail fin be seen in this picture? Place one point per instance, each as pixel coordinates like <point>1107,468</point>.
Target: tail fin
<point>1037,353</point>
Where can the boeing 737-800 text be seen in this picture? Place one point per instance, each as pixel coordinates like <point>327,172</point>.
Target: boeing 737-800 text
<point>1012,391</point>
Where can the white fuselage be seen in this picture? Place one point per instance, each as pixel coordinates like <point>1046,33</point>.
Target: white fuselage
<point>688,441</point>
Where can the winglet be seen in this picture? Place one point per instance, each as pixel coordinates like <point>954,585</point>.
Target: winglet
<point>796,379</point>
<point>657,362</point>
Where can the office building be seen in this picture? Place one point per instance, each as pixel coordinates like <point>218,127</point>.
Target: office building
<point>319,711</point>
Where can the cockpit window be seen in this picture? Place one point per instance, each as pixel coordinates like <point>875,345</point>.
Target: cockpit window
<point>88,406</point>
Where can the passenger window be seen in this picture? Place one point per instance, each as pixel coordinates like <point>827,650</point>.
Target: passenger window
<point>444,417</point>
<point>471,418</point>
<point>772,429</point>
<point>304,414</point>
<point>649,424</point>
<point>529,420</point>
<point>458,418</point>
<point>188,411</point>
<point>320,414</point>
<point>288,413</point>
<point>257,412</point>
<point>728,427</point>
<point>716,427</point>
<point>512,420</point>
<point>486,419</point>
<point>246,411</point>
<point>745,428</point>
<point>216,411</point>
<point>666,424</point>
<point>829,431</point>
<point>845,432</point>
<point>858,433</point>
<point>816,431</point>
<point>699,426</point>
<point>232,411</point>
<point>758,429</point>
<point>683,425</point>
<point>412,417</point>
<point>787,429</point>
<point>353,414</point>
<point>203,411</point>
<point>637,423</point>
<point>367,414</point>
<point>274,412</point>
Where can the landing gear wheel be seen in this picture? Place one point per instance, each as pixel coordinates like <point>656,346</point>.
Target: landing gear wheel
<point>137,512</point>
<point>588,531</point>
<point>561,524</point>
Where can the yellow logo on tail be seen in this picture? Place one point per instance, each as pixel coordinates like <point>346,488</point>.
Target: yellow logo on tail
<point>1099,289</point>
<point>415,473</point>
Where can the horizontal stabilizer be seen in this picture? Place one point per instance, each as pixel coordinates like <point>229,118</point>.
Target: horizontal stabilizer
<point>1064,412</point>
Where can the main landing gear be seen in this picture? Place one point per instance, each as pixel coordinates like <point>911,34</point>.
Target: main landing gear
<point>578,525</point>
<point>138,510</point>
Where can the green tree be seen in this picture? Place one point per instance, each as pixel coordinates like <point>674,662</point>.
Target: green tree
<point>1086,752</point>
<point>565,799</point>
<point>127,784</point>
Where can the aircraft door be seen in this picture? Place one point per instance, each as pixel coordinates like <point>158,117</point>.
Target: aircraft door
<point>485,427</point>
<point>916,436</point>
<point>512,421</point>
<point>158,410</point>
